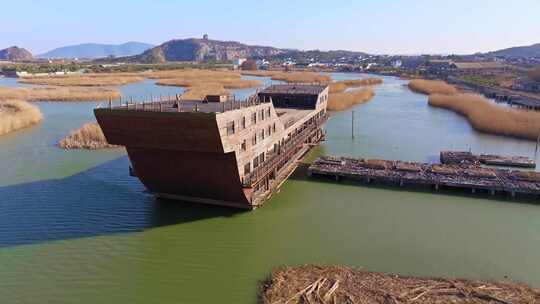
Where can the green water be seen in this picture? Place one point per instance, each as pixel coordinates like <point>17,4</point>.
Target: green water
<point>75,228</point>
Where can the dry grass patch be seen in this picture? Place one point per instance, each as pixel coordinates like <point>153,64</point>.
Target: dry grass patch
<point>17,114</point>
<point>344,100</point>
<point>200,83</point>
<point>301,77</point>
<point>226,83</point>
<point>261,73</point>
<point>338,284</point>
<point>194,74</point>
<point>427,87</point>
<point>59,93</point>
<point>85,80</point>
<point>200,92</point>
<point>534,74</point>
<point>485,116</point>
<point>342,85</point>
<point>90,137</point>
<point>292,77</point>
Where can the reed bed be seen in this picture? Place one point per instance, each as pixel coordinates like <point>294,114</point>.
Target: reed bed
<point>59,93</point>
<point>226,83</point>
<point>17,114</point>
<point>534,74</point>
<point>85,80</point>
<point>301,77</point>
<point>292,77</point>
<point>428,87</point>
<point>485,116</point>
<point>89,136</point>
<point>200,92</point>
<point>339,284</point>
<point>200,83</point>
<point>260,73</point>
<point>194,74</point>
<point>342,85</point>
<point>344,100</point>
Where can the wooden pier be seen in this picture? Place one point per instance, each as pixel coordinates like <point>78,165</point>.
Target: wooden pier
<point>470,177</point>
<point>463,157</point>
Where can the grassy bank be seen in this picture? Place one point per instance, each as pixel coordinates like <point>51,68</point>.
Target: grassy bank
<point>302,77</point>
<point>344,100</point>
<point>200,83</point>
<point>17,114</point>
<point>85,80</point>
<point>427,87</point>
<point>89,136</point>
<point>59,93</point>
<point>342,85</point>
<point>485,116</point>
<point>337,284</point>
<point>225,83</point>
<point>292,77</point>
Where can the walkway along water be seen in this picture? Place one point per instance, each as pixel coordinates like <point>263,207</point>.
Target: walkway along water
<point>471,177</point>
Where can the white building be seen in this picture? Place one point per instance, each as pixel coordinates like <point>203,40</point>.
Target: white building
<point>396,64</point>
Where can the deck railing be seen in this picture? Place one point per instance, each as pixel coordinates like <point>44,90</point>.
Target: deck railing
<point>177,104</point>
<point>278,159</point>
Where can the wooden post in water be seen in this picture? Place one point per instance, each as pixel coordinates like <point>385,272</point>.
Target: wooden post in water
<point>352,124</point>
<point>536,149</point>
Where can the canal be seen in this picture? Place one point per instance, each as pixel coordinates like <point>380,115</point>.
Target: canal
<point>74,227</point>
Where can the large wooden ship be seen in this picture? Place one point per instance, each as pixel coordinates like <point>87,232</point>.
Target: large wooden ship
<point>219,150</point>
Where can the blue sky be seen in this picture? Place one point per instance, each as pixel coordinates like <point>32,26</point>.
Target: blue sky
<point>384,26</point>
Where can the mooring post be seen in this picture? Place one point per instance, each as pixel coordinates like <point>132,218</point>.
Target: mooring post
<point>536,149</point>
<point>352,124</point>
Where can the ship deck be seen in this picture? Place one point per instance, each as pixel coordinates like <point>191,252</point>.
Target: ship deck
<point>289,116</point>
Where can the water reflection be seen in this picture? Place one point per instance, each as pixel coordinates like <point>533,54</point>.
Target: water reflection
<point>102,200</point>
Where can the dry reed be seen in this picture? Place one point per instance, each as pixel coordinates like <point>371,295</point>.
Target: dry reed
<point>200,83</point>
<point>194,74</point>
<point>89,136</point>
<point>339,284</point>
<point>344,100</point>
<point>17,114</point>
<point>261,73</point>
<point>85,80</point>
<point>534,74</point>
<point>427,87</point>
<point>292,77</point>
<point>485,116</point>
<point>301,77</point>
<point>200,92</point>
<point>342,85</point>
<point>226,83</point>
<point>59,93</point>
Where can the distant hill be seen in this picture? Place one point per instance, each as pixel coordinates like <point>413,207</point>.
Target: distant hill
<point>15,53</point>
<point>197,50</point>
<point>193,49</point>
<point>520,51</point>
<point>96,50</point>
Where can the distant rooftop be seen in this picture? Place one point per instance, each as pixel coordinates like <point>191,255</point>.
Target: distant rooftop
<point>303,89</point>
